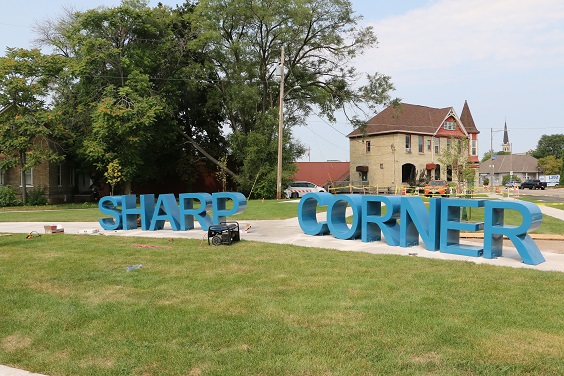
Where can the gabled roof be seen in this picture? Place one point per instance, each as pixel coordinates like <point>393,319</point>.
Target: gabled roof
<point>407,118</point>
<point>320,173</point>
<point>467,119</point>
<point>510,162</point>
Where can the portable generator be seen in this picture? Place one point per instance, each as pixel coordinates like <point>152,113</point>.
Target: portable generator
<point>224,233</point>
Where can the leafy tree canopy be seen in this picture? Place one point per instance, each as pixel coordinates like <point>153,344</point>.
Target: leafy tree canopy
<point>27,127</point>
<point>550,165</point>
<point>165,74</point>
<point>320,39</point>
<point>550,145</point>
<point>132,85</point>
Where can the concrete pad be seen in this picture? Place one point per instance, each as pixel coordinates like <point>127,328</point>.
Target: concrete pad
<point>9,371</point>
<point>288,231</point>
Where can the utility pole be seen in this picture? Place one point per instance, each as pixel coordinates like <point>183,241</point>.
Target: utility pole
<point>491,158</point>
<point>280,129</point>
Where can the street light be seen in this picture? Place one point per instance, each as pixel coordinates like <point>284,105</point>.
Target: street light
<point>492,155</point>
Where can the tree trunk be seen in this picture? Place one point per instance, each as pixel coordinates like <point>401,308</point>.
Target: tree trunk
<point>22,177</point>
<point>127,187</point>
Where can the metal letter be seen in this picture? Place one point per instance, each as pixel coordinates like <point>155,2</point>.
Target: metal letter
<point>451,226</point>
<point>166,209</point>
<point>337,218</point>
<point>307,213</point>
<point>188,213</point>
<point>374,223</point>
<point>417,220</point>
<point>108,205</point>
<point>495,229</point>
<point>218,205</point>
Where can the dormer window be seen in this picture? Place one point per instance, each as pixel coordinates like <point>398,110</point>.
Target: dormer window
<point>450,126</point>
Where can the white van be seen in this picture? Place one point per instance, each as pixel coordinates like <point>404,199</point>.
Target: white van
<point>299,188</point>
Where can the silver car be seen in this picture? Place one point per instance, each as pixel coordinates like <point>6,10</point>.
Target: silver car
<point>299,188</point>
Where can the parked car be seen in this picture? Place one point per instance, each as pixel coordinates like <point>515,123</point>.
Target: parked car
<point>533,184</point>
<point>436,187</point>
<point>299,188</point>
<point>512,183</point>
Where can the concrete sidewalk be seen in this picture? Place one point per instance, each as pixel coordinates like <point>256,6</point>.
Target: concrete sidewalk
<point>9,371</point>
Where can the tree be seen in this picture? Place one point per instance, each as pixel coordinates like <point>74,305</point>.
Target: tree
<point>133,85</point>
<point>550,165</point>
<point>487,155</point>
<point>320,39</point>
<point>561,182</point>
<point>550,145</point>
<point>121,131</point>
<point>27,126</point>
<point>113,174</point>
<point>456,157</point>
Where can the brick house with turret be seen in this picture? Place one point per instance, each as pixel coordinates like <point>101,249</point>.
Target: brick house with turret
<point>403,144</point>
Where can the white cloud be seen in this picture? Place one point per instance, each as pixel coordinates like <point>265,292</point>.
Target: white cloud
<point>510,34</point>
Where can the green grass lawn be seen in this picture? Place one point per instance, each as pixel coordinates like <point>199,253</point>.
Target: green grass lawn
<point>256,209</point>
<point>68,307</point>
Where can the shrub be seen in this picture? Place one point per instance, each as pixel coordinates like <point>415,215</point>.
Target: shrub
<point>36,197</point>
<point>8,196</point>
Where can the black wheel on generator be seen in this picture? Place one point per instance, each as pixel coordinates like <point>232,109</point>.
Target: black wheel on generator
<point>216,240</point>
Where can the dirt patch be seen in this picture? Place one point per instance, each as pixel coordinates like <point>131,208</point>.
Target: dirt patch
<point>15,342</point>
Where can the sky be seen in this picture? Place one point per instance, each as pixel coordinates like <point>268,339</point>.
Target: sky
<point>505,57</point>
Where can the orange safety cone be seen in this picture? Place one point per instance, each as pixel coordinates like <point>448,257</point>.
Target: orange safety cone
<point>403,190</point>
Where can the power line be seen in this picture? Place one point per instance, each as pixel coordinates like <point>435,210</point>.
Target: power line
<point>5,24</point>
<point>324,139</point>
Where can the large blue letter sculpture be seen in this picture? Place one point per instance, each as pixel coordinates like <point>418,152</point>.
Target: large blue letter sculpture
<point>125,213</point>
<point>494,230</point>
<point>405,220</point>
<point>439,226</point>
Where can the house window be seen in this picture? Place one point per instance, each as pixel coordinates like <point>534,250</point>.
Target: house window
<point>474,151</point>
<point>437,146</point>
<point>407,143</point>
<point>28,178</point>
<point>429,145</point>
<point>71,176</point>
<point>381,166</point>
<point>367,143</point>
<point>450,126</point>
<point>448,144</point>
<point>420,144</point>
<point>60,175</point>
<point>1,177</point>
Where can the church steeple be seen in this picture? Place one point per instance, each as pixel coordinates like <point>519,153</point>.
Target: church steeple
<point>506,146</point>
